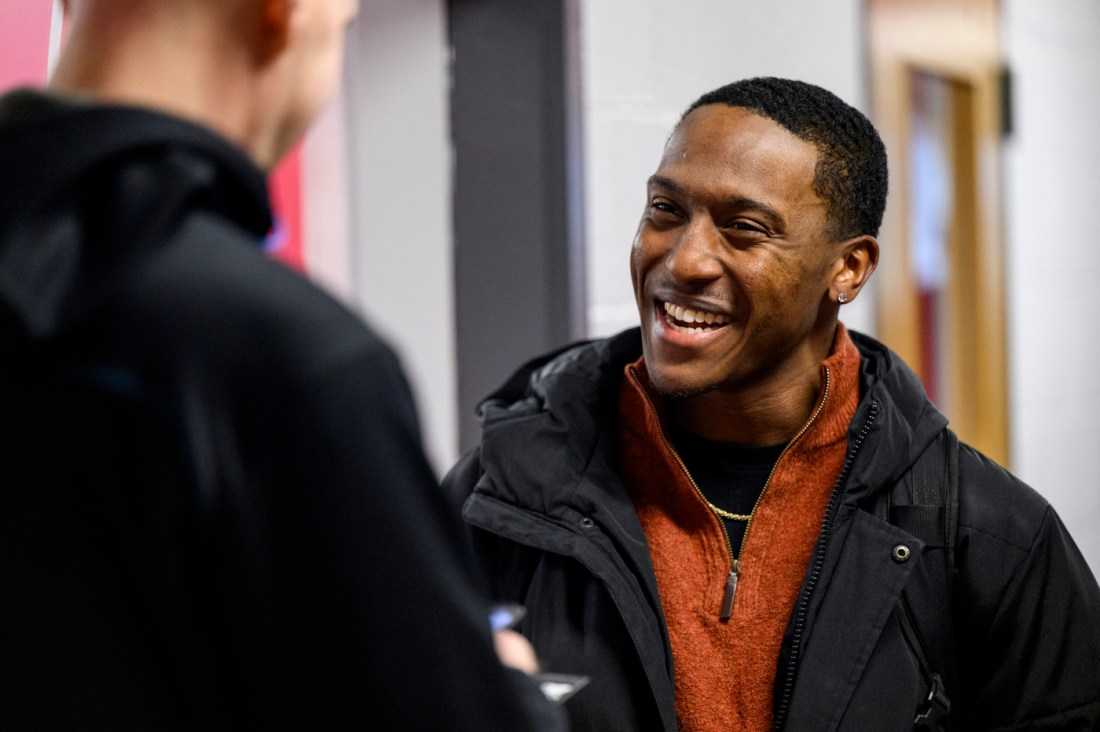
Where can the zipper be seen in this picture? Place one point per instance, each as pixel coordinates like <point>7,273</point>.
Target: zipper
<point>731,583</point>
<point>802,607</point>
<point>735,564</point>
<point>730,592</point>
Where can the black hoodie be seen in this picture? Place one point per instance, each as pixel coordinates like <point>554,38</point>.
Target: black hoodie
<point>215,510</point>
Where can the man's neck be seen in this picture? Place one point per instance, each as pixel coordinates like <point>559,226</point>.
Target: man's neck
<point>748,418</point>
<point>766,411</point>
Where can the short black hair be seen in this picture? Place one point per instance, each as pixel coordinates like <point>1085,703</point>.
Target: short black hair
<point>851,176</point>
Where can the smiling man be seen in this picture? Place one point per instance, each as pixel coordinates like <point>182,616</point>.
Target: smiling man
<point>742,516</point>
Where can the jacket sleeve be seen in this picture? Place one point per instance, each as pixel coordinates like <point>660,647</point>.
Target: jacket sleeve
<point>1030,637</point>
<point>382,597</point>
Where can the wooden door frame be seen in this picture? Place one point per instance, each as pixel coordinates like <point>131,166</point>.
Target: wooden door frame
<point>956,40</point>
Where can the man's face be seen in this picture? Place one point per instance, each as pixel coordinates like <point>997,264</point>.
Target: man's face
<point>731,260</point>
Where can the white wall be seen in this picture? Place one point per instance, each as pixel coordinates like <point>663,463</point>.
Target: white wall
<point>1053,190</point>
<point>399,167</point>
<point>326,208</point>
<point>644,61</point>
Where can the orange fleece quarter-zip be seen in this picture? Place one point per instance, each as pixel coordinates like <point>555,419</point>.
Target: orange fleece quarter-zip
<point>725,668</point>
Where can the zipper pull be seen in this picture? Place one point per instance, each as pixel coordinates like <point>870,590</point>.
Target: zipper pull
<point>731,590</point>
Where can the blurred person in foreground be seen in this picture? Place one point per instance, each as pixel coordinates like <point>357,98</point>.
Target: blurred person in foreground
<point>215,511</point>
<point>743,516</point>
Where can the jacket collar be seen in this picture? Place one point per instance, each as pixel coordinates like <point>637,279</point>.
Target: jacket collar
<point>553,424</point>
<point>548,442</point>
<point>897,416</point>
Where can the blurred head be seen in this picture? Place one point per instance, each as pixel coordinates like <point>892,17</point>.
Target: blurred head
<point>258,71</point>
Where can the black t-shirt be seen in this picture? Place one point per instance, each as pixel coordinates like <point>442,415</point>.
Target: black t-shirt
<point>731,476</point>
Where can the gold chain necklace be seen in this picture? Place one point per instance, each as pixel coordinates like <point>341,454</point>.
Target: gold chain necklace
<point>728,515</point>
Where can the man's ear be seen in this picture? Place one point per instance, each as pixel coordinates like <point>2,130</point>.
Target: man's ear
<point>858,259</point>
<point>273,27</point>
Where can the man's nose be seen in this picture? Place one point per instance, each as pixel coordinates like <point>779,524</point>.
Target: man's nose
<point>696,255</point>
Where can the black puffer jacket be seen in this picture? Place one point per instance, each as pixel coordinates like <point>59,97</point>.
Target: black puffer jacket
<point>214,508</point>
<point>553,527</point>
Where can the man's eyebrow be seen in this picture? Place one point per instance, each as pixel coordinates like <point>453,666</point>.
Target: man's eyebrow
<point>663,182</point>
<point>739,203</point>
<point>742,203</point>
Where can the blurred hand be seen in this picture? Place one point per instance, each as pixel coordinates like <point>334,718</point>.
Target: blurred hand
<point>515,651</point>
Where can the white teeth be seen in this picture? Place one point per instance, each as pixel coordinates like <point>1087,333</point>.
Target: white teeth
<point>687,315</point>
<point>680,319</point>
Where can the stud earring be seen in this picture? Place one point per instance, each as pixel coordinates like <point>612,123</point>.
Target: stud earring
<point>842,297</point>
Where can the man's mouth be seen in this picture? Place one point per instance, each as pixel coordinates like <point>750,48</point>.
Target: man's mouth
<point>689,320</point>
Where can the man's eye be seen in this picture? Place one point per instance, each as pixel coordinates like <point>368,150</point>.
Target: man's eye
<point>747,226</point>
<point>663,207</point>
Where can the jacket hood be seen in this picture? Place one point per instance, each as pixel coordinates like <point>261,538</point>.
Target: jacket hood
<point>551,423</point>
<point>85,182</point>
<point>899,420</point>
<point>548,424</point>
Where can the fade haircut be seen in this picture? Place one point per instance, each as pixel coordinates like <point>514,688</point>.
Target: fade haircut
<point>851,169</point>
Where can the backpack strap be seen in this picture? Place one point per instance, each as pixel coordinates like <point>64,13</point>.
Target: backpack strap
<point>925,503</point>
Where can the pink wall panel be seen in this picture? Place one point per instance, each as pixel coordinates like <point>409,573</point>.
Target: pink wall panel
<point>24,42</point>
<point>285,185</point>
